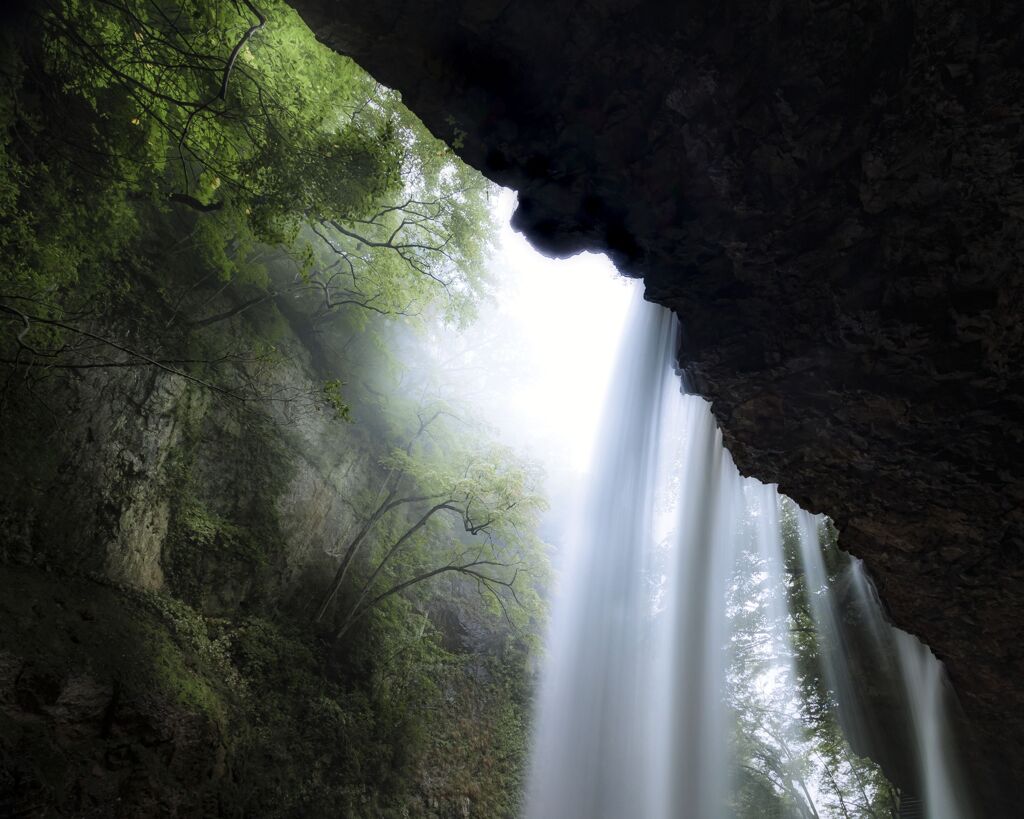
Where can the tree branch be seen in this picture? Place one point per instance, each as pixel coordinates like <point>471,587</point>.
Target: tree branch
<point>135,354</point>
<point>467,569</point>
<point>195,204</point>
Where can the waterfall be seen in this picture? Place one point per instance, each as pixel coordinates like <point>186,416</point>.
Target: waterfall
<point>592,748</point>
<point>930,703</point>
<point>680,681</point>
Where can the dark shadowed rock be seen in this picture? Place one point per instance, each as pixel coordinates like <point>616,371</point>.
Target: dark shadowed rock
<point>829,195</point>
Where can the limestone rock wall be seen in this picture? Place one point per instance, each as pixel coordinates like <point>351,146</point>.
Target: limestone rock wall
<point>149,481</point>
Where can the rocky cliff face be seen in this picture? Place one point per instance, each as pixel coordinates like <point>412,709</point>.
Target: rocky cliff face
<point>95,720</point>
<point>149,533</point>
<point>130,474</point>
<point>830,197</point>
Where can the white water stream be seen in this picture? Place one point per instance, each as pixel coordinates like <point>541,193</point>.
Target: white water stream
<point>671,687</point>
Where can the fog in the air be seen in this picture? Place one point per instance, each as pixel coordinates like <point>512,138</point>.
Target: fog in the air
<point>537,361</point>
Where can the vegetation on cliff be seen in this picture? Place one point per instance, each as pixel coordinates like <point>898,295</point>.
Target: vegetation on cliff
<point>310,576</point>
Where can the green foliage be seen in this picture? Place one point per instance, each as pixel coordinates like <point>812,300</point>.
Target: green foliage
<point>481,751</point>
<point>332,395</point>
<point>62,221</point>
<point>151,647</point>
<point>783,772</point>
<point>397,727</point>
<point>454,506</point>
<point>200,540</point>
<point>259,137</point>
<point>217,540</point>
<point>406,729</point>
<point>230,125</point>
<point>225,203</point>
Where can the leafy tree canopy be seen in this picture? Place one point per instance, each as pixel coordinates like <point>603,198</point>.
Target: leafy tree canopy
<point>231,112</point>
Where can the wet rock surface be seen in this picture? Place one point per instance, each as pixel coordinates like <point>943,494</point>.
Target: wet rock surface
<point>830,197</point>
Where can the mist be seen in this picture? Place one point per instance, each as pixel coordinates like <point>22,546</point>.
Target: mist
<point>536,363</point>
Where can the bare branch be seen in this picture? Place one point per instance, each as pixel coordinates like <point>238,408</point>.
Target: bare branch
<point>467,569</point>
<point>134,353</point>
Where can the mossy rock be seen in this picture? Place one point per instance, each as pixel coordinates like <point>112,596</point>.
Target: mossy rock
<point>104,710</point>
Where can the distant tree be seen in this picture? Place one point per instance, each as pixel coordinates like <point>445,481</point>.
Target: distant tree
<point>451,502</point>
